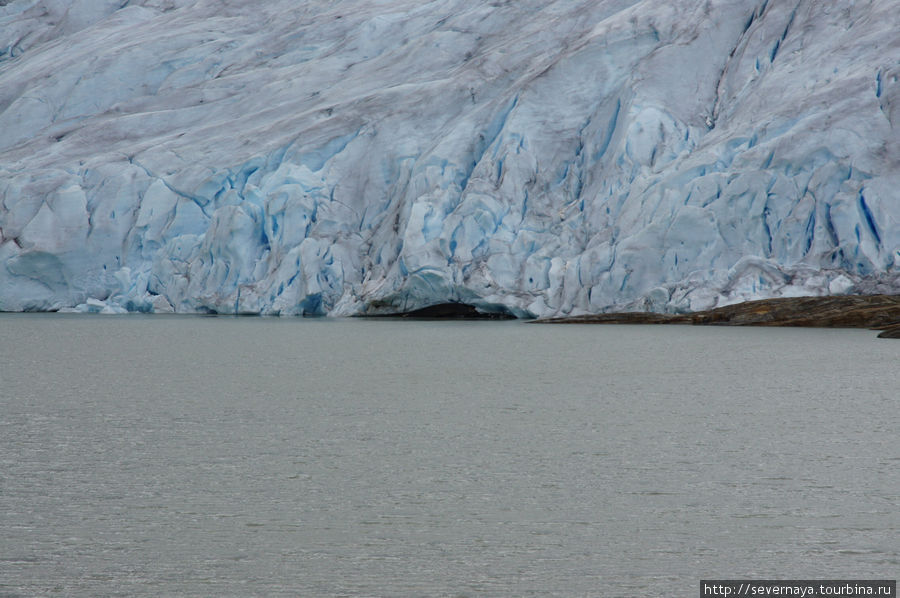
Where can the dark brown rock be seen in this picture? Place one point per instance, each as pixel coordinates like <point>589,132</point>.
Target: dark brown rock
<point>891,332</point>
<point>447,311</point>
<point>847,311</point>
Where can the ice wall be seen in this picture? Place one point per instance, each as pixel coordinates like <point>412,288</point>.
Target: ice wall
<point>352,156</point>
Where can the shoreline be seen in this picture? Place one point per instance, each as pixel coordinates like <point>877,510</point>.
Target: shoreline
<point>875,312</point>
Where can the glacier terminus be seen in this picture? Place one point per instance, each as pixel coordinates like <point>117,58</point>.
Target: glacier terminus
<point>533,158</point>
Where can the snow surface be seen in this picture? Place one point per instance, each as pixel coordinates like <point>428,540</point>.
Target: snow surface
<point>363,156</point>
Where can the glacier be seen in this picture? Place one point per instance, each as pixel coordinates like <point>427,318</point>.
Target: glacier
<point>533,158</point>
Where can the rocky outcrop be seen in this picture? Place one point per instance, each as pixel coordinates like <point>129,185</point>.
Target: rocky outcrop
<point>881,312</point>
<point>891,332</point>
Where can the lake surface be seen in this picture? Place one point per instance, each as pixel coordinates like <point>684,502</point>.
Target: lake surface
<point>217,456</point>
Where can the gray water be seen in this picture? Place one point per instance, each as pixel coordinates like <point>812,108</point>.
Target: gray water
<point>192,456</point>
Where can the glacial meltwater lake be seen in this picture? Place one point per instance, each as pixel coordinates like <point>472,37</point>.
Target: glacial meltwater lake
<point>220,456</point>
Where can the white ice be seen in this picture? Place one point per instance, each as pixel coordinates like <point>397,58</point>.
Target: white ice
<point>534,157</point>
